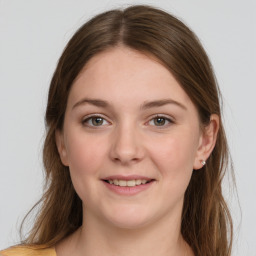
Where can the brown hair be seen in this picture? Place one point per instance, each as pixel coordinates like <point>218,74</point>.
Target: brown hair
<point>206,221</point>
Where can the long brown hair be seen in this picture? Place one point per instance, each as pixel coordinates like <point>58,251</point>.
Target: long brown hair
<point>206,221</point>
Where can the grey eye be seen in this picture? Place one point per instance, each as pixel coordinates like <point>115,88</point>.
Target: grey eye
<point>97,121</point>
<point>159,121</point>
<point>94,121</point>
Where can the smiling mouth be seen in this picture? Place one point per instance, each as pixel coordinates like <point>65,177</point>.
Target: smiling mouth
<point>128,183</point>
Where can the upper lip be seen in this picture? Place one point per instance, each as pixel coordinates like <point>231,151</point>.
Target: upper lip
<point>129,177</point>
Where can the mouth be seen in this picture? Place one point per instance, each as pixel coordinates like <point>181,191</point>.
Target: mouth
<point>128,183</point>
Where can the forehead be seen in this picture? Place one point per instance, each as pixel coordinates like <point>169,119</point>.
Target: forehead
<point>121,60</point>
<point>122,75</point>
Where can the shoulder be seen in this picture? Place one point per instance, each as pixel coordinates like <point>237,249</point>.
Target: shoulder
<point>28,251</point>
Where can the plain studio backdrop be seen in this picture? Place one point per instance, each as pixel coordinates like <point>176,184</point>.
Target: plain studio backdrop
<point>32,37</point>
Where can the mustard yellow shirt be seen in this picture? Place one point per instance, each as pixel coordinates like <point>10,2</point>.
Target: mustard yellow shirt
<point>28,251</point>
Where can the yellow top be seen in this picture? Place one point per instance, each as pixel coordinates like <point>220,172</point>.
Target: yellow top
<point>28,251</point>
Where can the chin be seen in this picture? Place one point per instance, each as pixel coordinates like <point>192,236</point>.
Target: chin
<point>129,224</point>
<point>129,218</point>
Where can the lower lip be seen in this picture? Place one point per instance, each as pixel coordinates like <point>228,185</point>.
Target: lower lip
<point>129,191</point>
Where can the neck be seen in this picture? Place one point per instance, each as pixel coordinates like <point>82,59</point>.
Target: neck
<point>98,238</point>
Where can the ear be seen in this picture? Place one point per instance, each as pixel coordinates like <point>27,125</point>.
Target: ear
<point>207,142</point>
<point>61,147</point>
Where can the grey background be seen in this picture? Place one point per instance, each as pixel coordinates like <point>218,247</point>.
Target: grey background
<point>32,37</point>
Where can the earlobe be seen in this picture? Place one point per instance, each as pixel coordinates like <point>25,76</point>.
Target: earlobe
<point>207,142</point>
<point>61,147</point>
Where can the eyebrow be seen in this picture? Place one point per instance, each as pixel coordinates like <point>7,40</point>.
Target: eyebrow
<point>144,106</point>
<point>160,103</point>
<point>95,102</point>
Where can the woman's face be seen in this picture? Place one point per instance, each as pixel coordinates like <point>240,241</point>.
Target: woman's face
<point>128,122</point>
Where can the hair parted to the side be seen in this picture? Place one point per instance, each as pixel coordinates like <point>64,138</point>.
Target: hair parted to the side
<point>206,221</point>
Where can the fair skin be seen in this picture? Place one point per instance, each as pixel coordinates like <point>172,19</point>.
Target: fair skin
<point>128,119</point>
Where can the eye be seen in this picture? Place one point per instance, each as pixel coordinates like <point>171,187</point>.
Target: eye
<point>160,121</point>
<point>95,121</point>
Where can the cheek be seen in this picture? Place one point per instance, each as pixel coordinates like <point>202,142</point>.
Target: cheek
<point>174,155</point>
<point>86,157</point>
<point>85,154</point>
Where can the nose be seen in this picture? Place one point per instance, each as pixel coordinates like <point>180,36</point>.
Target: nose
<point>126,145</point>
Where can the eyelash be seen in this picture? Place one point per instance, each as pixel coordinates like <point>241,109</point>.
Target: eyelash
<point>166,119</point>
<point>88,118</point>
<point>169,120</point>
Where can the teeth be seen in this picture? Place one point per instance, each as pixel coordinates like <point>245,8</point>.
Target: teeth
<point>122,183</point>
<point>130,183</point>
<point>127,183</point>
<point>138,182</point>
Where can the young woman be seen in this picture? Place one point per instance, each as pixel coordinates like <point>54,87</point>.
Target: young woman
<point>135,150</point>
